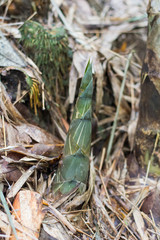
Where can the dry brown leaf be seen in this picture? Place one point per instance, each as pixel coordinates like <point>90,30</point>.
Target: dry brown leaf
<point>140,224</point>
<point>9,172</point>
<point>41,185</point>
<point>45,235</point>
<point>79,61</point>
<point>39,151</point>
<point>28,212</point>
<point>46,150</point>
<point>131,132</point>
<point>9,57</point>
<point>4,223</point>
<point>73,76</point>
<point>11,134</point>
<point>133,167</point>
<point>20,182</point>
<point>36,133</point>
<point>56,230</point>
<point>99,73</point>
<point>83,9</point>
<point>8,108</point>
<point>61,218</point>
<point>151,204</point>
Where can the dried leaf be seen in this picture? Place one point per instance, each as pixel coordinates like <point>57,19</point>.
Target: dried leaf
<point>131,132</point>
<point>140,224</point>
<point>28,211</point>
<point>56,230</point>
<point>8,56</point>
<point>20,182</point>
<point>36,133</point>
<point>9,172</point>
<point>46,150</point>
<point>8,108</point>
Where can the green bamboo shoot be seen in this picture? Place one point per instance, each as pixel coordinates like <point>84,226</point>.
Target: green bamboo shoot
<point>74,170</point>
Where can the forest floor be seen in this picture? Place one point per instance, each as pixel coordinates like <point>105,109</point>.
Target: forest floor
<point>121,200</point>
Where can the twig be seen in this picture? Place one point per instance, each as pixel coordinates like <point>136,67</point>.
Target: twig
<point>4,134</point>
<point>102,159</point>
<point>154,224</point>
<point>61,218</point>
<point>151,222</point>
<point>28,19</point>
<point>90,229</point>
<point>80,231</point>
<point>20,98</point>
<point>105,188</point>
<point>6,9</point>
<point>43,97</point>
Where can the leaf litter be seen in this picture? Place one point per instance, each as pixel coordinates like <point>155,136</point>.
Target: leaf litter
<point>120,202</point>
